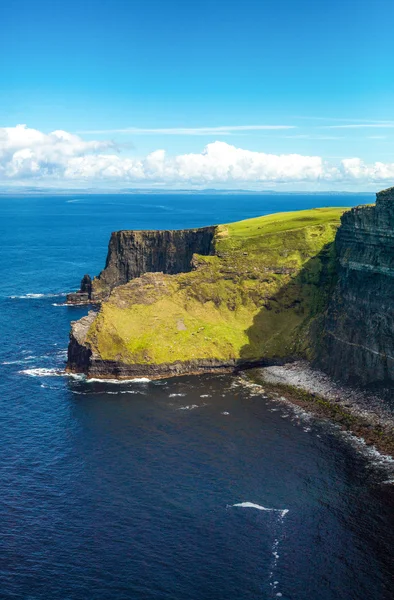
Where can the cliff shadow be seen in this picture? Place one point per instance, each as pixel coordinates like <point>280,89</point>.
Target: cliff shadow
<point>289,323</point>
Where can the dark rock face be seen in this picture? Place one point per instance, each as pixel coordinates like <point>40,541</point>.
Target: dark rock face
<point>84,295</point>
<point>86,285</point>
<point>78,353</point>
<point>132,253</point>
<point>78,298</point>
<point>85,362</point>
<point>356,341</point>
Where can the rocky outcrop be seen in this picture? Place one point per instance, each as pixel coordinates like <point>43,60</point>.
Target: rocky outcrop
<point>84,294</point>
<point>78,352</point>
<point>355,342</point>
<point>132,253</point>
<point>86,285</point>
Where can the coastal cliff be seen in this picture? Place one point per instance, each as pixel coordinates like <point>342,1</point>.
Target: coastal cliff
<point>133,253</point>
<point>356,334</point>
<point>232,296</point>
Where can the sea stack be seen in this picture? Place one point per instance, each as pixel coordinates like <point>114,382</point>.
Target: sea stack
<point>84,294</point>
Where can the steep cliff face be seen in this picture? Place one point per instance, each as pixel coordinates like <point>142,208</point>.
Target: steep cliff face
<point>132,253</point>
<point>356,338</point>
<point>250,298</point>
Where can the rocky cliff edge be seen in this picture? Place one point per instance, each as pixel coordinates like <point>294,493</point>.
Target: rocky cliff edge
<point>250,297</point>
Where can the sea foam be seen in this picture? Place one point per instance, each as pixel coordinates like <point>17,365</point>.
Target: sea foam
<point>118,381</point>
<point>259,507</point>
<point>37,296</point>
<point>42,372</point>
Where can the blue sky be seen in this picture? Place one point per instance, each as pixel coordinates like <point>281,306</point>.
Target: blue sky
<point>97,68</point>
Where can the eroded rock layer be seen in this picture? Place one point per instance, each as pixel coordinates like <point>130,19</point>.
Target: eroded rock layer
<point>356,341</point>
<point>132,253</point>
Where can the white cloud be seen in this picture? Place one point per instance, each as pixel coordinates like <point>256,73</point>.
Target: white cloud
<point>355,168</point>
<point>217,163</point>
<point>222,162</point>
<point>28,152</point>
<point>61,158</point>
<point>223,130</point>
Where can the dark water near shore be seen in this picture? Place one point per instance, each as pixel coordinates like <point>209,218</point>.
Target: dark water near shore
<point>127,491</point>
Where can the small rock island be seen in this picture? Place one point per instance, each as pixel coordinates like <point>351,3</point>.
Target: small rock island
<point>315,285</point>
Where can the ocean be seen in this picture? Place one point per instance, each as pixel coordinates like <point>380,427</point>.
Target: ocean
<point>194,488</point>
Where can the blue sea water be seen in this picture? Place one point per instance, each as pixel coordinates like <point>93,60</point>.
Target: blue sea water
<point>184,489</point>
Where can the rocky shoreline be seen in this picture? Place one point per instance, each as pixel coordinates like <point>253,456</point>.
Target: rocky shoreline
<point>366,415</point>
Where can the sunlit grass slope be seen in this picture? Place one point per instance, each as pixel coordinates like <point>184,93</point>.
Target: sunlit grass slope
<point>254,298</point>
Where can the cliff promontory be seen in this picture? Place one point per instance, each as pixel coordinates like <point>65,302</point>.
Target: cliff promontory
<point>205,299</point>
<point>356,340</point>
<point>133,253</point>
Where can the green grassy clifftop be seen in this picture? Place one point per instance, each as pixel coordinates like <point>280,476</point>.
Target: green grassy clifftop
<point>254,298</point>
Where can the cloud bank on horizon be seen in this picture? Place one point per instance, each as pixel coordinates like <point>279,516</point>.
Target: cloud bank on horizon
<point>61,158</point>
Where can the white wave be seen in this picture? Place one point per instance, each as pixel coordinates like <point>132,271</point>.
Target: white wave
<point>188,407</point>
<point>77,376</point>
<point>21,361</point>
<point>205,396</point>
<point>118,381</point>
<point>42,372</point>
<point>69,304</point>
<point>13,362</point>
<point>117,393</point>
<point>376,457</point>
<point>259,507</point>
<point>37,296</point>
<point>25,359</point>
<point>225,412</point>
<point>173,395</point>
<point>275,546</point>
